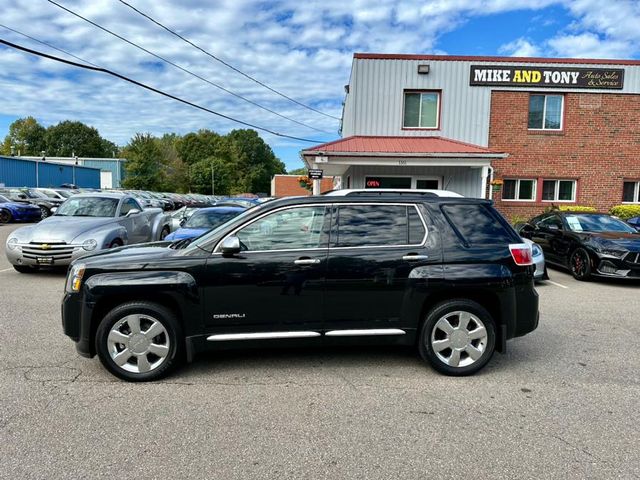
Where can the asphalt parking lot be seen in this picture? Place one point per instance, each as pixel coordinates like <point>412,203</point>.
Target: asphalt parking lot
<point>562,403</point>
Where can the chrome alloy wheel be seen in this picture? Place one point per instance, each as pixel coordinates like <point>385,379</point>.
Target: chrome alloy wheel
<point>459,339</point>
<point>138,343</point>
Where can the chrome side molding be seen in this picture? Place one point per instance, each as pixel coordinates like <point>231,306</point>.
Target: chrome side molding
<point>260,336</point>
<point>365,332</point>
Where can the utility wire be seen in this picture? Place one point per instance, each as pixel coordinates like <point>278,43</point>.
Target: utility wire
<point>226,64</point>
<point>42,42</point>
<point>152,89</point>
<point>199,77</point>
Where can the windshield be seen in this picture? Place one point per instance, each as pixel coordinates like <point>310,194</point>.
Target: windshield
<point>34,193</point>
<point>63,193</point>
<point>4,199</point>
<point>597,223</point>
<point>88,207</point>
<point>210,219</point>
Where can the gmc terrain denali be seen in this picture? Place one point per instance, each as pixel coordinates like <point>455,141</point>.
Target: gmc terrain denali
<point>448,275</point>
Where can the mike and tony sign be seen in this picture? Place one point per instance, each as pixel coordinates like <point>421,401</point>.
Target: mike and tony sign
<point>564,77</point>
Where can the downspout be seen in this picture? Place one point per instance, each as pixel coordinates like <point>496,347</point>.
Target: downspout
<point>490,183</point>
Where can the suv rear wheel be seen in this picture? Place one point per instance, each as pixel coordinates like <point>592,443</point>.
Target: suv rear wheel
<point>139,341</point>
<point>458,337</point>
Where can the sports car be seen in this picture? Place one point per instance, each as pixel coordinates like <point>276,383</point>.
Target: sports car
<point>83,224</point>
<point>17,212</point>
<point>203,220</point>
<point>588,244</point>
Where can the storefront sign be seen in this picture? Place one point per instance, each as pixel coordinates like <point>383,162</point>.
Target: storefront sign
<point>315,174</point>
<point>561,77</point>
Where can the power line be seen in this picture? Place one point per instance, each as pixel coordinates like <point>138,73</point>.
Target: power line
<point>150,88</point>
<point>199,77</point>
<point>42,42</point>
<point>225,63</point>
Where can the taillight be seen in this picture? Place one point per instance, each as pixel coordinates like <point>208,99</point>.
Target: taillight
<point>521,253</point>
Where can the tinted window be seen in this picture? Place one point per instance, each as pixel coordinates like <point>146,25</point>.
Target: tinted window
<point>211,219</point>
<point>293,228</point>
<point>378,225</point>
<point>477,224</point>
<point>596,223</point>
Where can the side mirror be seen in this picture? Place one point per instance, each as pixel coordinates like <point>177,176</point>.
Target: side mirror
<point>553,227</point>
<point>230,246</point>
<point>133,211</point>
<point>182,222</point>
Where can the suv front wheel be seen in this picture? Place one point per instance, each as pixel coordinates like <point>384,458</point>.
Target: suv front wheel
<point>139,341</point>
<point>458,337</point>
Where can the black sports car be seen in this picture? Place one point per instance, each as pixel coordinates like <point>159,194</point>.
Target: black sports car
<point>588,244</point>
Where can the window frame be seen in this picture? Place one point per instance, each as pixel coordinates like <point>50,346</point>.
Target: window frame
<point>636,192</point>
<point>544,112</point>
<point>557,189</point>
<point>438,109</point>
<point>517,190</point>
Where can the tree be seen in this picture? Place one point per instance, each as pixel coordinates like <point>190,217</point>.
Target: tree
<point>75,138</point>
<point>298,171</point>
<point>26,135</point>
<point>144,169</point>
<point>194,147</point>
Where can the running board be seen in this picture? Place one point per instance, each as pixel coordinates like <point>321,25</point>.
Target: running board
<point>308,334</point>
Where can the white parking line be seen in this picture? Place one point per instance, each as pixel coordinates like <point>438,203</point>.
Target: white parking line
<point>6,269</point>
<point>556,284</point>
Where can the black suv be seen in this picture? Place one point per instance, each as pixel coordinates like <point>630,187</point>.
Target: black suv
<point>448,275</point>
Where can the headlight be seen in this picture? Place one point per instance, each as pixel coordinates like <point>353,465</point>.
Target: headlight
<point>90,244</point>
<point>12,243</point>
<point>610,252</point>
<point>536,250</point>
<point>74,278</point>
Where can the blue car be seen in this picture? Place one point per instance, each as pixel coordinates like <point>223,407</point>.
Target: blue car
<point>18,212</point>
<point>634,222</point>
<point>203,220</point>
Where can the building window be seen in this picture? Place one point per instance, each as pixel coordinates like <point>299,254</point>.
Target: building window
<point>545,112</point>
<point>421,110</point>
<point>387,182</point>
<point>519,189</point>
<point>631,192</point>
<point>558,190</point>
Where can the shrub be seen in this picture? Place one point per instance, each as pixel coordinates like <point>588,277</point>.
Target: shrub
<point>515,219</point>
<point>625,212</point>
<point>576,208</point>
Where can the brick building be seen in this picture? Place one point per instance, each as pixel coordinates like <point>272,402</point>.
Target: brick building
<point>549,131</point>
<point>289,186</point>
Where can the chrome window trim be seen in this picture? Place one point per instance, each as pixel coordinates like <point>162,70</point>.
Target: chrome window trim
<point>329,247</point>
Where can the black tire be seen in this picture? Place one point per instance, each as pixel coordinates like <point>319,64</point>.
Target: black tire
<point>116,243</point>
<point>149,312</point>
<point>165,231</point>
<point>25,269</point>
<point>580,264</point>
<point>444,310</point>
<point>44,212</point>
<point>5,216</point>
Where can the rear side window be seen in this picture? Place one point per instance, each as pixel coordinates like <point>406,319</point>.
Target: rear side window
<point>477,224</point>
<point>378,225</point>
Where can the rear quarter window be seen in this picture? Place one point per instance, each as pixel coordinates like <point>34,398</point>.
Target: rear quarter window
<point>477,224</point>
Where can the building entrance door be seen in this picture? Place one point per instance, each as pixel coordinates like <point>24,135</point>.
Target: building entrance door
<point>428,184</point>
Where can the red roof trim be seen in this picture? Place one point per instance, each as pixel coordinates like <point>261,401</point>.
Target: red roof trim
<point>470,58</point>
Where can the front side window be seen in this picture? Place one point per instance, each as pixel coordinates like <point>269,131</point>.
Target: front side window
<point>290,229</point>
<point>421,110</point>
<point>128,205</point>
<point>631,192</point>
<point>378,225</point>
<point>558,190</point>
<point>552,222</point>
<point>545,112</point>
<point>519,189</point>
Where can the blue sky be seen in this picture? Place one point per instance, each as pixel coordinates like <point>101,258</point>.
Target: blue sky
<point>303,49</point>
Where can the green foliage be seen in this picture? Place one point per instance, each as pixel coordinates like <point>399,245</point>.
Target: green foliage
<point>625,211</point>
<point>144,169</point>
<point>515,219</point>
<point>26,135</point>
<point>75,138</point>
<point>298,171</point>
<point>570,208</point>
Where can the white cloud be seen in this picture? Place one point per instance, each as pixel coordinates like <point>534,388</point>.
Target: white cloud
<point>520,47</point>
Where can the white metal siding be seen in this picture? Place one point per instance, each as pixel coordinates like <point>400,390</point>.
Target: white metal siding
<point>374,104</point>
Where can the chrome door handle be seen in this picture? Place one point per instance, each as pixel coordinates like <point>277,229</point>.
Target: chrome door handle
<point>415,258</point>
<point>307,261</point>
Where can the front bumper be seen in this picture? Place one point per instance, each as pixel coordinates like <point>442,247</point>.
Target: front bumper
<point>76,322</point>
<point>45,255</point>
<point>626,267</point>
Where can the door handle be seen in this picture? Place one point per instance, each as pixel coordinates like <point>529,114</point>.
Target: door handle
<point>307,261</point>
<point>415,258</point>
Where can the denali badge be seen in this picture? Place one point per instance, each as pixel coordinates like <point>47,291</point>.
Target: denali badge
<point>228,315</point>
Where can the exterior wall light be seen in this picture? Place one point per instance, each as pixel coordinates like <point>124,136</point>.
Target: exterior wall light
<point>423,69</point>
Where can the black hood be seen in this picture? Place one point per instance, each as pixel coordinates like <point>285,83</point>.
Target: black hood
<point>619,240</point>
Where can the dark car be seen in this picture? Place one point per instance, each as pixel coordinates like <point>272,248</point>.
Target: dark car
<point>17,212</point>
<point>312,271</point>
<point>203,220</point>
<point>634,222</point>
<point>588,244</point>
